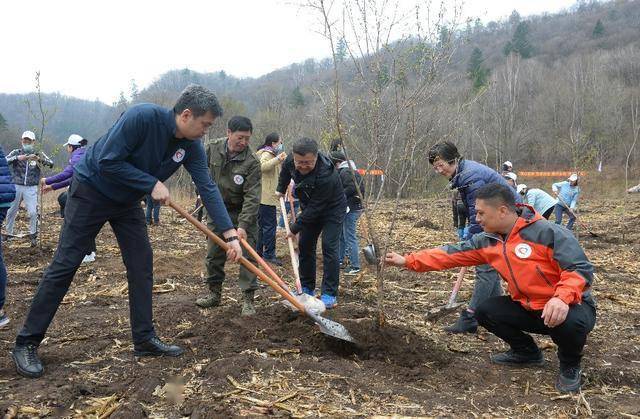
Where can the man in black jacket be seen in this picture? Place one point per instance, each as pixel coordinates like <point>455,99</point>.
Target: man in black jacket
<point>351,182</point>
<point>323,202</point>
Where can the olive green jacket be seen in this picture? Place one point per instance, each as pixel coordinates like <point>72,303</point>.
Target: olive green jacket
<point>238,179</point>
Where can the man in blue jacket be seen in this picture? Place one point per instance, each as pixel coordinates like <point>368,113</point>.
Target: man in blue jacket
<point>140,151</point>
<point>7,195</point>
<point>468,176</point>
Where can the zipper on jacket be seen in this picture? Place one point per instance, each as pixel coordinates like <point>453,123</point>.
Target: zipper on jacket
<point>543,276</point>
<point>504,252</point>
<point>26,173</point>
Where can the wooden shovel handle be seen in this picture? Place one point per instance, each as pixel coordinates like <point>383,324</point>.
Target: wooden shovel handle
<point>217,240</point>
<point>264,265</point>
<point>292,251</point>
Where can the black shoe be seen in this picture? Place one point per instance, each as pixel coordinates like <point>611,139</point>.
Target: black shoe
<point>27,362</point>
<point>156,347</point>
<point>569,379</point>
<point>275,261</point>
<point>466,323</point>
<point>512,357</point>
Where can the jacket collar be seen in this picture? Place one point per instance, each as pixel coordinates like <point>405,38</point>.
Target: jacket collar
<point>526,216</point>
<point>238,157</point>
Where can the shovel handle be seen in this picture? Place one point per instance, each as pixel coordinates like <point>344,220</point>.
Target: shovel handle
<point>264,265</point>
<point>292,251</point>
<point>217,240</point>
<point>456,287</point>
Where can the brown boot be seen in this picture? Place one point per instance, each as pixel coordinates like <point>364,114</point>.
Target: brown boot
<point>247,303</point>
<point>213,299</point>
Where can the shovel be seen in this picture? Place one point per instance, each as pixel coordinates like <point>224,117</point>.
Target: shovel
<point>292,251</point>
<point>310,303</point>
<point>328,327</point>
<point>451,306</point>
<point>578,220</point>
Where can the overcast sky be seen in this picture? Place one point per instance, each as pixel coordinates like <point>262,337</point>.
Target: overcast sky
<point>92,49</point>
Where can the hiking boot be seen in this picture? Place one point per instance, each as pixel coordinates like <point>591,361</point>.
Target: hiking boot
<point>4,320</point>
<point>156,347</point>
<point>247,303</point>
<point>512,357</point>
<point>352,272</point>
<point>33,239</point>
<point>213,299</point>
<point>307,291</point>
<point>466,323</point>
<point>329,301</point>
<point>27,362</point>
<point>569,379</point>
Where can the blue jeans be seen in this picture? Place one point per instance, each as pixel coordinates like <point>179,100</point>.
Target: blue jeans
<point>296,207</point>
<point>349,239</point>
<point>155,207</point>
<point>559,210</point>
<point>266,246</point>
<point>3,269</point>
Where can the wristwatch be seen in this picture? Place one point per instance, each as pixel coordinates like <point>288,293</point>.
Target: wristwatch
<point>231,238</point>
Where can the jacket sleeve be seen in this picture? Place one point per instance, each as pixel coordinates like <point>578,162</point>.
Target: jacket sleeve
<point>449,256</point>
<point>556,186</point>
<point>268,162</point>
<point>285,175</point>
<point>196,164</point>
<point>123,138</point>
<point>576,274</point>
<point>45,160</point>
<point>251,189</point>
<point>56,179</point>
<point>348,184</point>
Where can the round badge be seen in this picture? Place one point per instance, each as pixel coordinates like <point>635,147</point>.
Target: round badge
<point>33,163</point>
<point>523,250</point>
<point>238,179</point>
<point>179,155</point>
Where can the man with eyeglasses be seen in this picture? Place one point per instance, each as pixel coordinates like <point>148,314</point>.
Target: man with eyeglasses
<point>236,170</point>
<point>468,176</point>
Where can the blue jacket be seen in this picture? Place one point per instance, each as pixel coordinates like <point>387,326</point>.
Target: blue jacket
<point>469,177</point>
<point>7,188</point>
<point>540,200</point>
<point>567,193</point>
<point>139,150</point>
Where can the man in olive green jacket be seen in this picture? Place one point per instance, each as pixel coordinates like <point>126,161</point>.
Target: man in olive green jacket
<point>236,171</point>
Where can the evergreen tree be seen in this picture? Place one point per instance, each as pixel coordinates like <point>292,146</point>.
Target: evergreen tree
<point>3,123</point>
<point>341,50</point>
<point>598,30</point>
<point>519,43</point>
<point>297,99</point>
<point>477,72</point>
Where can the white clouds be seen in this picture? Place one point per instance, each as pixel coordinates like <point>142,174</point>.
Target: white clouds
<point>93,49</point>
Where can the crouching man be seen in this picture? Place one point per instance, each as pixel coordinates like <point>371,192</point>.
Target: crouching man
<point>548,278</point>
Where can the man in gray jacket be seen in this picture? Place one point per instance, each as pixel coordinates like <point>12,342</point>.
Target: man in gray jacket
<point>24,164</point>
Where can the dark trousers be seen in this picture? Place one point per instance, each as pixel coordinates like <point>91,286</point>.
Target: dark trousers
<point>267,231</point>
<point>152,207</point>
<point>508,320</point>
<point>3,268</point>
<point>62,200</point>
<point>330,249</point>
<point>548,212</point>
<point>86,212</point>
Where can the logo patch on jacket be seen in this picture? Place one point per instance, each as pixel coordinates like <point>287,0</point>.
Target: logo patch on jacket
<point>523,250</point>
<point>238,179</point>
<point>179,155</point>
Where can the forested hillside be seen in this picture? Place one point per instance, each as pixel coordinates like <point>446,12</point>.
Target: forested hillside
<point>553,91</point>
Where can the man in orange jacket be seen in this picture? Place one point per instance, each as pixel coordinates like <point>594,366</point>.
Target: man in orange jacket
<point>548,278</point>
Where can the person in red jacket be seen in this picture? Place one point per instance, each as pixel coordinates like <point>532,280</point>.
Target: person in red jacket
<point>548,277</point>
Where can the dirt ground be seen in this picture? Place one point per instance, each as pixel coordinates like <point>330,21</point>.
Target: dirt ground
<point>277,363</point>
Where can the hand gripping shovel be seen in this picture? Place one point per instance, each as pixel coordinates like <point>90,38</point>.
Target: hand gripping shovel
<point>309,302</point>
<point>292,251</point>
<point>328,327</point>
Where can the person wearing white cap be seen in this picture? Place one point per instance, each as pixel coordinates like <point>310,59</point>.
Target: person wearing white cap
<point>511,179</point>
<point>507,167</point>
<point>76,148</point>
<point>567,192</point>
<point>25,164</point>
<point>541,201</point>
<point>634,189</point>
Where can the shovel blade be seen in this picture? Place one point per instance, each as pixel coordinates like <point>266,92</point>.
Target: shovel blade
<point>331,328</point>
<point>437,313</point>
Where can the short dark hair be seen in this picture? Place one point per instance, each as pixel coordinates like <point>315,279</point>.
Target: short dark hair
<point>198,100</point>
<point>497,194</point>
<point>338,156</point>
<point>240,123</point>
<point>445,150</point>
<point>270,139</point>
<point>304,146</point>
<point>336,144</point>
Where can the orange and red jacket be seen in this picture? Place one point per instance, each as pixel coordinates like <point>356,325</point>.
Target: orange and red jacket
<point>538,260</point>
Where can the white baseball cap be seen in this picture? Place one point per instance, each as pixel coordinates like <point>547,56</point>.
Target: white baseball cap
<point>29,134</point>
<point>573,177</point>
<point>511,176</point>
<point>521,187</point>
<point>74,139</point>
<point>508,163</point>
